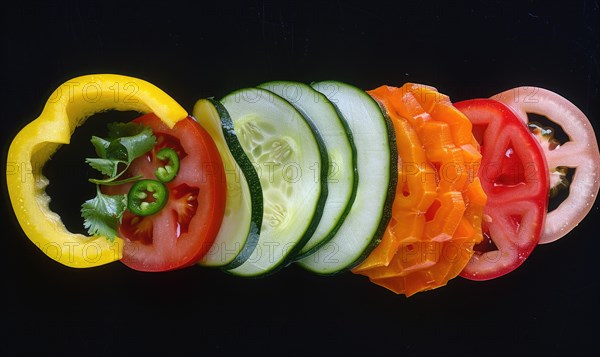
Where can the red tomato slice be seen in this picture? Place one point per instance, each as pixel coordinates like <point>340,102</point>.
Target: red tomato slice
<point>183,231</point>
<point>514,175</point>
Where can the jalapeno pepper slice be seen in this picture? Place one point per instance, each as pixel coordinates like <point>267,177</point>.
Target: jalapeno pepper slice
<point>167,172</point>
<point>147,197</point>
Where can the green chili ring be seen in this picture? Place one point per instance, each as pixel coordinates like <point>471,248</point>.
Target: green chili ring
<point>168,172</point>
<point>147,197</point>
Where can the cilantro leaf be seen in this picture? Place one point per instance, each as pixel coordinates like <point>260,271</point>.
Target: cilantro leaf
<point>128,141</point>
<point>105,166</point>
<point>125,143</point>
<point>116,151</point>
<point>102,214</point>
<point>100,145</point>
<point>138,144</point>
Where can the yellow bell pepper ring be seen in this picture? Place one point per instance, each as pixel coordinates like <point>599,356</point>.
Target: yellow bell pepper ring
<point>67,108</point>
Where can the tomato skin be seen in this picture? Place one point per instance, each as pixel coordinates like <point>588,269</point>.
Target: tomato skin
<point>514,175</point>
<point>183,231</point>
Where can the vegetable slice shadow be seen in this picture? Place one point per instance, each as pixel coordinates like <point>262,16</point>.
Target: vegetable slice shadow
<point>68,173</point>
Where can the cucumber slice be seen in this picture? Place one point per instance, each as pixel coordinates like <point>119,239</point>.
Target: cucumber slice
<point>378,172</point>
<point>291,161</point>
<point>240,228</point>
<point>342,180</point>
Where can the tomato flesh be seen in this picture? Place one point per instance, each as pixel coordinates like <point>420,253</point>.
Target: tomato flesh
<point>514,175</point>
<point>511,170</point>
<point>183,231</point>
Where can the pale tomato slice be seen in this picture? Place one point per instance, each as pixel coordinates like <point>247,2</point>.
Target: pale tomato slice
<point>580,152</point>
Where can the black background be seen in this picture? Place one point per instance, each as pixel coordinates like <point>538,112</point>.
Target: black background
<point>548,306</point>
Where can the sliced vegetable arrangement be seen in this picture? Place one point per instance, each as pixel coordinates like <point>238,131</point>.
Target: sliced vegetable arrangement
<point>398,184</point>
